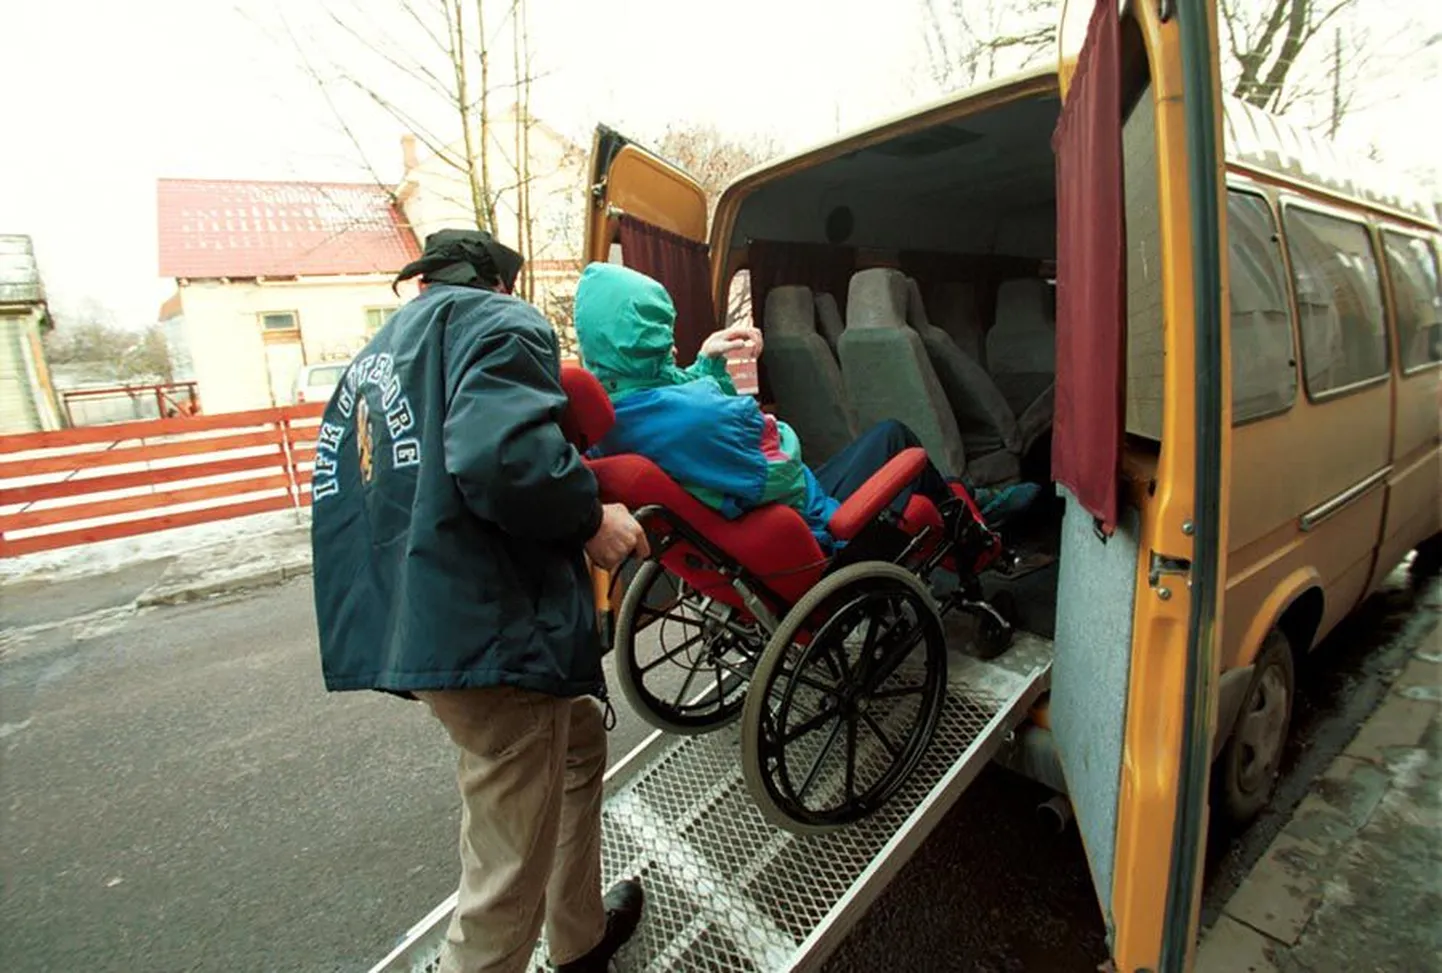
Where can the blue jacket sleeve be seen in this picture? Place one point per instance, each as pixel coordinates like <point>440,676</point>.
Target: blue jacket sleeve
<point>714,369</point>
<point>503,441</point>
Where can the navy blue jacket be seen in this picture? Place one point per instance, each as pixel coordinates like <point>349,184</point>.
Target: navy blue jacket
<point>449,512</point>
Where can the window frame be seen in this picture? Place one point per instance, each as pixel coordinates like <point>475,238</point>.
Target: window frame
<point>294,322</point>
<point>1430,240</point>
<point>392,308</point>
<point>1269,200</point>
<point>1287,203</point>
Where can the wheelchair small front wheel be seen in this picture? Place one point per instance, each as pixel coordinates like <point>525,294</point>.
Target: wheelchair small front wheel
<point>683,660</point>
<point>845,700</point>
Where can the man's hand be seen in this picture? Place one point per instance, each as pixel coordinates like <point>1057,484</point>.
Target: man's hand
<point>732,338</point>
<point>618,536</point>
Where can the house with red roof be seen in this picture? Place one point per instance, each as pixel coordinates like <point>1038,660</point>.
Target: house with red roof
<point>271,276</point>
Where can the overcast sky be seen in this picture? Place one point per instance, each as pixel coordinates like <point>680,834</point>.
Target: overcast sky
<point>102,98</point>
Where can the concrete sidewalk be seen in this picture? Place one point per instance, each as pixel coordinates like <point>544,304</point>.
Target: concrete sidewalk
<point>168,568</point>
<point>219,569</point>
<point>1354,881</point>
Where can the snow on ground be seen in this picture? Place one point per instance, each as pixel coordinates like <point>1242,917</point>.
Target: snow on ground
<point>106,556</point>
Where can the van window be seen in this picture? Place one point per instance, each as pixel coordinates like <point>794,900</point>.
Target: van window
<point>1339,304</point>
<point>1412,265</point>
<point>1145,390</point>
<point>1264,366</point>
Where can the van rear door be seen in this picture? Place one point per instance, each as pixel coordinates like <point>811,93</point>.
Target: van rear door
<point>1133,684</point>
<point>627,180</point>
<point>645,213</point>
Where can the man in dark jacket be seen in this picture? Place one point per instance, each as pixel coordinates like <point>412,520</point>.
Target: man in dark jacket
<point>450,520</point>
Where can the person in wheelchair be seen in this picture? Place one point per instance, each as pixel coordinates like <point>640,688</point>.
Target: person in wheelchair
<point>720,446</point>
<point>802,603</point>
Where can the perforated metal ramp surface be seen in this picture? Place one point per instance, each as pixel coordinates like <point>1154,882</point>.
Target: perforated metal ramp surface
<point>725,890</point>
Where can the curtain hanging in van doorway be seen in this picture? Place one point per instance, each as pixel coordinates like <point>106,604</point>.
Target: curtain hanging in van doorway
<point>823,267</point>
<point>684,268</point>
<point>1091,276</point>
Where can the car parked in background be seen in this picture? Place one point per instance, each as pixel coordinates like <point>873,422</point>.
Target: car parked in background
<point>316,383</point>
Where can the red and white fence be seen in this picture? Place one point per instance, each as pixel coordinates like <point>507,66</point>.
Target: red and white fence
<point>97,483</point>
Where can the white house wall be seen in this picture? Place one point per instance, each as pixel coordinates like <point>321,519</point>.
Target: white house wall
<point>222,329</point>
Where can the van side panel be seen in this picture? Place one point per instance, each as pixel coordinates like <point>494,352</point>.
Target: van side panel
<point>1283,467</point>
<point>1414,488</point>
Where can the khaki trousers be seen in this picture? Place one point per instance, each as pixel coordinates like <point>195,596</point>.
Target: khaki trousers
<point>530,776</point>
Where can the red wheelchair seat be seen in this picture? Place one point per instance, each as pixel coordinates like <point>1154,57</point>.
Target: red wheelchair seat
<point>773,542</point>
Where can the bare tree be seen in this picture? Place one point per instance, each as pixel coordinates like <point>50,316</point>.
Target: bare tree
<point>714,161</point>
<point>1271,55</point>
<point>427,65</point>
<point>1265,41</point>
<point>525,222</point>
<point>971,41</point>
<point>88,335</point>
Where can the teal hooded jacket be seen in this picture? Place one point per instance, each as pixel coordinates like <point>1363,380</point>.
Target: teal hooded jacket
<point>718,445</point>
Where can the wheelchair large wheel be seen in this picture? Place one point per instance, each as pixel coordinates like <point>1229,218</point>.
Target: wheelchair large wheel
<point>835,723</point>
<point>683,660</point>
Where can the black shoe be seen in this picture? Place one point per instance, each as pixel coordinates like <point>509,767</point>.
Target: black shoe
<point>623,914</point>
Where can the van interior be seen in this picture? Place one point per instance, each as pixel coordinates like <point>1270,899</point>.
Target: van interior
<point>913,279</point>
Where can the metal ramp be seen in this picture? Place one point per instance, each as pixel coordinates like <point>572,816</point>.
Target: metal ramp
<point>725,890</point>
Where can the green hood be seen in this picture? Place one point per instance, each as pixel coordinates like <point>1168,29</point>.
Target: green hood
<point>625,322</point>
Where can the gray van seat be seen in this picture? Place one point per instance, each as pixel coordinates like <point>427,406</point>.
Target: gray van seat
<point>804,376</point>
<point>988,427</point>
<point>951,306</point>
<point>1021,353</point>
<point>888,371</point>
<point>828,320</point>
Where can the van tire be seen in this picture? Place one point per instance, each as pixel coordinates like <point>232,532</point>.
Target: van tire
<point>1247,769</point>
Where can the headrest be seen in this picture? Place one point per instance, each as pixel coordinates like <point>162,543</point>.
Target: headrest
<point>915,307</point>
<point>589,414</point>
<point>1023,299</point>
<point>828,319</point>
<point>877,299</point>
<point>790,310</point>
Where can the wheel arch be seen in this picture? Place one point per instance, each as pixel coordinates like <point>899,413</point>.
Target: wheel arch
<point>1295,608</point>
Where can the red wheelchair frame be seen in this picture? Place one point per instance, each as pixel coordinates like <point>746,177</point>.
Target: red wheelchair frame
<point>836,666</point>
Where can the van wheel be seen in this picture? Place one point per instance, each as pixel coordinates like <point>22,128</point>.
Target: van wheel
<point>1248,766</point>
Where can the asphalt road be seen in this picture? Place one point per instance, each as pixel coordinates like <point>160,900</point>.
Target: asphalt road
<point>178,793</point>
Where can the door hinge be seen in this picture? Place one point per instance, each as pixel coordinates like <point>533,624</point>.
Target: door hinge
<point>598,191</point>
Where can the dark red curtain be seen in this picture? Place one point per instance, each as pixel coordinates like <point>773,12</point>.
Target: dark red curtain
<point>684,267</point>
<point>823,268</point>
<point>1091,276</point>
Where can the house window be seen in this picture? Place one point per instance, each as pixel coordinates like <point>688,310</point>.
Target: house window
<point>279,321</point>
<point>376,317</point>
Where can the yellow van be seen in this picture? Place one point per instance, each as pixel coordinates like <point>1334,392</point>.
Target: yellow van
<point>1280,341</point>
<point>1218,339</point>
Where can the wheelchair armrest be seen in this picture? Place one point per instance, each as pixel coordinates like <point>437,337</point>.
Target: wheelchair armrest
<point>877,493</point>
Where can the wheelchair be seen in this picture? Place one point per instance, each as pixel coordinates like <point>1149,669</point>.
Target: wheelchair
<point>836,665</point>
